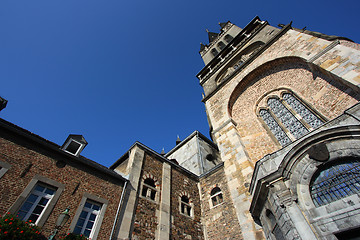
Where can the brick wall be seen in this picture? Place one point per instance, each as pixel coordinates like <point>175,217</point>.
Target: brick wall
<point>220,221</point>
<point>45,164</point>
<point>146,221</point>
<point>184,227</point>
<point>322,93</point>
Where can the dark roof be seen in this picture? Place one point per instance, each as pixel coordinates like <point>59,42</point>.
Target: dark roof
<point>222,25</point>
<point>16,130</point>
<point>212,36</point>
<point>202,47</point>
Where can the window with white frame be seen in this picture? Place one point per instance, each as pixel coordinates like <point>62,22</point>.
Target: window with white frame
<point>216,196</point>
<point>36,203</point>
<point>149,189</point>
<point>185,206</point>
<point>288,118</point>
<point>3,168</point>
<point>88,218</point>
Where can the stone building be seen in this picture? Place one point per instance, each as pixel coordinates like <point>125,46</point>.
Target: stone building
<point>283,162</point>
<point>283,109</point>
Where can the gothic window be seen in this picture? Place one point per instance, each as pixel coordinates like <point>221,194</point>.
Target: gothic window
<point>221,45</point>
<point>185,206</point>
<point>228,38</point>
<point>214,52</point>
<point>216,196</point>
<point>149,189</point>
<point>335,181</point>
<point>288,118</point>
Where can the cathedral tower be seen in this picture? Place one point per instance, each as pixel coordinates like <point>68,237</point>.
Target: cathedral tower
<point>268,92</point>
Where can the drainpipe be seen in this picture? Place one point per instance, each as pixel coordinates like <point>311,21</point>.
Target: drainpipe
<point>117,212</point>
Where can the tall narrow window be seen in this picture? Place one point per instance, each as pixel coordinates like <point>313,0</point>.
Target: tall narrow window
<point>228,38</point>
<point>88,218</point>
<point>288,118</point>
<point>214,52</point>
<point>216,196</point>
<point>335,181</point>
<point>221,45</point>
<point>149,189</point>
<point>185,206</point>
<point>36,202</point>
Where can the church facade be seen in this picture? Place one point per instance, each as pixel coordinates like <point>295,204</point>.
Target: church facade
<point>283,162</point>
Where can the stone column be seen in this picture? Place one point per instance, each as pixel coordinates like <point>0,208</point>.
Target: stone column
<point>163,230</point>
<point>128,206</point>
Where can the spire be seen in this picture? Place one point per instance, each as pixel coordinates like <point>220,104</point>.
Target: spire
<point>212,35</point>
<point>178,140</point>
<point>222,25</point>
<point>162,152</point>
<point>202,47</point>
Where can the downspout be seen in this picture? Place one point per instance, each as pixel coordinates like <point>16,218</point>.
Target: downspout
<point>199,154</point>
<point>118,210</point>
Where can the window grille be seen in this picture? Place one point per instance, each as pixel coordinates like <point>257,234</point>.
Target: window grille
<point>288,118</point>
<point>335,182</point>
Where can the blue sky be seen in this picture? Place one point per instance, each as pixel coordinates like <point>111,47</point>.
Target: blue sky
<point>120,71</point>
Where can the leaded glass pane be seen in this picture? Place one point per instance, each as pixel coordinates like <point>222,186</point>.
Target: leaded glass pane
<point>295,127</point>
<point>303,111</point>
<point>336,182</point>
<point>274,127</point>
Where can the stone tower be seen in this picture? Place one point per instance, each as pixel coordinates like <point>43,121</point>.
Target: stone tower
<point>270,91</point>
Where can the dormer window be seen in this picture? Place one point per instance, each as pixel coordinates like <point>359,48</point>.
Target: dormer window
<point>74,144</point>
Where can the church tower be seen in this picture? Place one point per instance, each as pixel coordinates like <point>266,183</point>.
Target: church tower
<point>273,97</point>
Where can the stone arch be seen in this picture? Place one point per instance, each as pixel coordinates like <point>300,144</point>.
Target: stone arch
<point>300,164</point>
<point>321,91</point>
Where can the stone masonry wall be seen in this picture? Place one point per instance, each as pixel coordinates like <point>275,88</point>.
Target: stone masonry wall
<point>146,220</point>
<point>322,93</point>
<point>340,60</point>
<point>78,179</point>
<point>220,221</point>
<point>184,227</point>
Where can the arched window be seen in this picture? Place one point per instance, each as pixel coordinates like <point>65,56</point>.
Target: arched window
<point>335,181</point>
<point>288,118</point>
<point>216,196</point>
<point>221,45</point>
<point>228,38</point>
<point>185,206</point>
<point>214,52</point>
<point>149,189</point>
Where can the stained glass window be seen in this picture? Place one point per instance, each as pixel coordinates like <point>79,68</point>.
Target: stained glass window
<point>296,128</point>
<point>274,127</point>
<point>289,119</point>
<point>308,116</point>
<point>335,181</point>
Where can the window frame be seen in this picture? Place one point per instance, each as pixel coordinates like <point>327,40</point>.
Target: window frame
<point>300,119</point>
<point>4,167</point>
<point>189,204</point>
<point>216,196</point>
<point>77,151</point>
<point>14,209</point>
<point>150,189</point>
<point>97,225</point>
